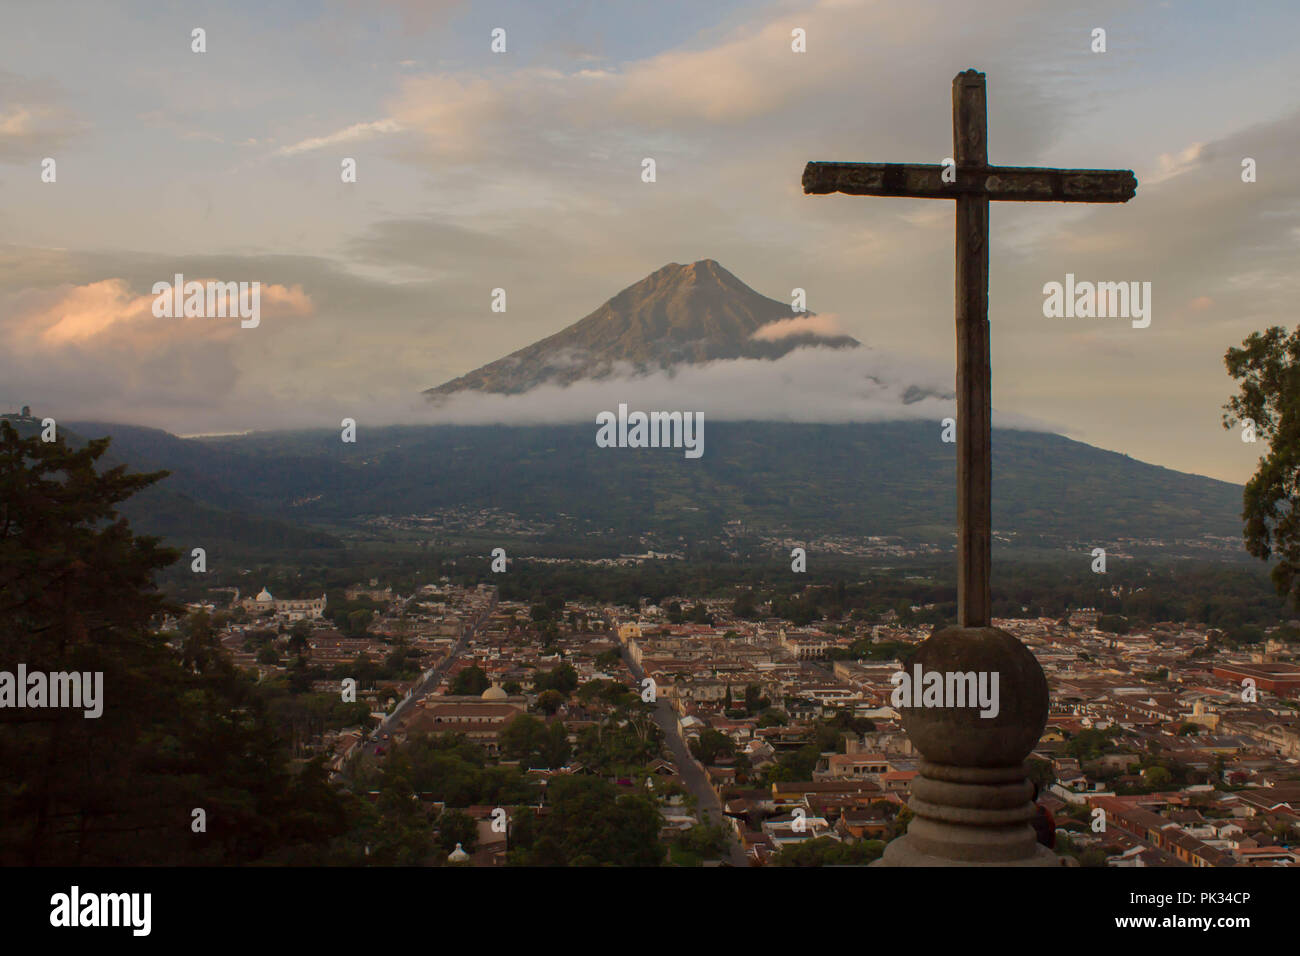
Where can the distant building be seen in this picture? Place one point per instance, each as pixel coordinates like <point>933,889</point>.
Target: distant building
<point>1084,617</point>
<point>373,593</point>
<point>1161,832</point>
<point>310,609</point>
<point>1283,679</point>
<point>24,416</point>
<point>479,719</point>
<point>859,766</point>
<point>806,646</point>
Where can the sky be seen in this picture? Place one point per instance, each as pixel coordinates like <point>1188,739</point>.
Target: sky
<point>521,170</point>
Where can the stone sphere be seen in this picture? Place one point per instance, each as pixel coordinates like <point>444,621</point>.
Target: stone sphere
<point>959,736</point>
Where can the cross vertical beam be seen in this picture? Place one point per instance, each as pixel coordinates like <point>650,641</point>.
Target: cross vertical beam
<point>976,184</point>
<point>974,394</point>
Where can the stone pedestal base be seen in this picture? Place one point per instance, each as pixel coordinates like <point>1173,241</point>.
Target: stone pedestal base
<point>971,799</point>
<point>901,853</point>
<point>970,816</point>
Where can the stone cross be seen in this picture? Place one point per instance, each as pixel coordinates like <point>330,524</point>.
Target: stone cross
<point>972,182</point>
<point>971,799</point>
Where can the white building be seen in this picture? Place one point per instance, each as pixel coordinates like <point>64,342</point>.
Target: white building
<point>309,609</point>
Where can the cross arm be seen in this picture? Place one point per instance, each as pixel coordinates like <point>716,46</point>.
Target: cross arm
<point>1013,183</point>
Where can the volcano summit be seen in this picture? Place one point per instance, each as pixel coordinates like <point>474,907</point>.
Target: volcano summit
<point>678,315</point>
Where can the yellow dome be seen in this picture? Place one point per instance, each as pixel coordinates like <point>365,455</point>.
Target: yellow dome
<point>494,693</point>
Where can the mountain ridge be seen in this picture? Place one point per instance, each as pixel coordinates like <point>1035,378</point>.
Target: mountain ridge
<point>187,507</point>
<point>880,478</point>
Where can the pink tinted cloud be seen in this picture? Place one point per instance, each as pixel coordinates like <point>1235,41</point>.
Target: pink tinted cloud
<point>50,319</point>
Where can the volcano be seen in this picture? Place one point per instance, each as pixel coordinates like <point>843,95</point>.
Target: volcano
<point>678,315</point>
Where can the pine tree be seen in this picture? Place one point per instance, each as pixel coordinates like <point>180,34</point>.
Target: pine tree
<point>181,728</point>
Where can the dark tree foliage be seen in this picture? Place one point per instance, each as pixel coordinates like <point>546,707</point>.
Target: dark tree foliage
<point>1113,624</point>
<point>471,680</point>
<point>562,679</point>
<point>1090,744</point>
<point>745,606</point>
<point>711,745</point>
<point>1041,772</point>
<point>590,824</point>
<point>457,827</point>
<point>534,743</point>
<point>704,841</point>
<point>180,730</point>
<point>453,770</point>
<point>1267,366</point>
<point>622,745</point>
<point>398,832</point>
<point>825,851</point>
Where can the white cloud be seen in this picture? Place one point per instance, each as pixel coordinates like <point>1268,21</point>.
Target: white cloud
<point>827,326</point>
<point>350,134</point>
<point>1170,165</point>
<point>806,385</point>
